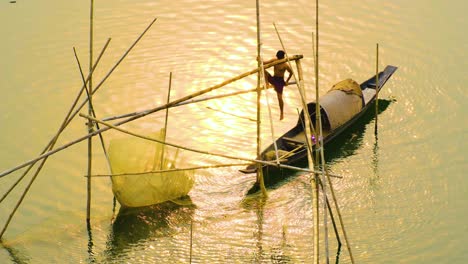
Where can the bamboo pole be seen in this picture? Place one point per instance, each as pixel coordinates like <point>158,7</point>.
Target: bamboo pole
<point>219,96</point>
<point>332,191</point>
<point>300,85</point>
<point>260,179</point>
<point>202,100</point>
<point>103,145</point>
<point>376,86</point>
<point>170,170</point>
<point>319,139</point>
<point>110,126</point>
<point>165,122</point>
<point>226,113</point>
<point>212,88</point>
<point>273,138</point>
<point>90,112</point>
<point>317,111</point>
<point>337,208</point>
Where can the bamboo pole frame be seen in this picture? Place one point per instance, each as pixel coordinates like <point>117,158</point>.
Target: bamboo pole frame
<point>70,116</point>
<point>47,153</point>
<point>54,139</point>
<point>49,149</point>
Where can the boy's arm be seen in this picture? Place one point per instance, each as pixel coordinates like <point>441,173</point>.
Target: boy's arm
<point>269,61</point>
<point>290,74</point>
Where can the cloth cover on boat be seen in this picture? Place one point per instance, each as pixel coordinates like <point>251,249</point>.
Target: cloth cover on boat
<point>136,155</point>
<point>342,102</point>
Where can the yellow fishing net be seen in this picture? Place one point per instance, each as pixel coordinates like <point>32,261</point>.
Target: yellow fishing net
<point>135,155</point>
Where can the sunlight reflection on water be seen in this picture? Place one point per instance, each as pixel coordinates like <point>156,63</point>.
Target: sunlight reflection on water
<point>394,194</point>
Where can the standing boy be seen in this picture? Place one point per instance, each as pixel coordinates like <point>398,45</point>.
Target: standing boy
<point>277,80</point>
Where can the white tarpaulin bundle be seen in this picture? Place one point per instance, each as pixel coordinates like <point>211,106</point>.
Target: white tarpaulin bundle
<point>342,102</point>
<point>135,155</point>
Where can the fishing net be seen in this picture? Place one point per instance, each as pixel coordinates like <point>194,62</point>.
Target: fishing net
<point>136,158</point>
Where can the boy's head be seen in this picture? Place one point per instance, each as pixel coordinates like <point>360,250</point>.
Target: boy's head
<point>280,54</point>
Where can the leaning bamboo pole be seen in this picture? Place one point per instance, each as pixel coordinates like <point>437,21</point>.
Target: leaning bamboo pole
<point>337,208</point>
<point>273,138</point>
<point>308,134</point>
<point>230,114</point>
<point>203,100</point>
<point>207,90</point>
<point>103,145</point>
<point>165,123</point>
<point>110,126</point>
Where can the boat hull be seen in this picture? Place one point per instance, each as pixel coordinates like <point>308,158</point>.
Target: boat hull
<point>294,143</point>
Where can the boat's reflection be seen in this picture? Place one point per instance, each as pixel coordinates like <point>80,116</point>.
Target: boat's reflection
<point>347,143</point>
<point>344,145</point>
<point>134,226</point>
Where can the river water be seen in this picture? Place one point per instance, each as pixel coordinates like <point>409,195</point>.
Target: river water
<point>403,195</point>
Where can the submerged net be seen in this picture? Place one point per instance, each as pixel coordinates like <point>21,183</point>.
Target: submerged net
<point>136,155</point>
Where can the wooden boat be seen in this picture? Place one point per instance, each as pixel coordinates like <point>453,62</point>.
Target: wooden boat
<point>343,105</point>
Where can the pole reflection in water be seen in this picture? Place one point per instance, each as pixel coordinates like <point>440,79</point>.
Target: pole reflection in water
<point>16,256</point>
<point>277,253</point>
<point>133,227</point>
<point>347,143</point>
<point>91,255</point>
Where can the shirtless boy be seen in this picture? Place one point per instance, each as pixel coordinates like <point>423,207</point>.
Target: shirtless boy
<point>277,80</point>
